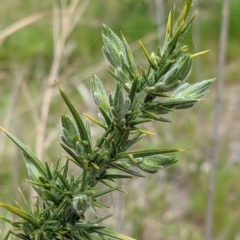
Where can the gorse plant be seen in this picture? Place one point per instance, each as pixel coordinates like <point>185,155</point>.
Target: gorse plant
<point>140,96</point>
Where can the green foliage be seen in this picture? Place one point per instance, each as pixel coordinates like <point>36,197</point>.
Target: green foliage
<point>140,95</point>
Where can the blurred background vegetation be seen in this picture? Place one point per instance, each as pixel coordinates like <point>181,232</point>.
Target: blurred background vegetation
<point>168,205</point>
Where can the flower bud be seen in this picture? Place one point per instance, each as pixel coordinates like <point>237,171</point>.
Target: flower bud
<point>80,203</point>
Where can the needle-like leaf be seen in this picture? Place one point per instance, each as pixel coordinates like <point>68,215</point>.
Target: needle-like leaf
<point>22,214</point>
<point>81,128</point>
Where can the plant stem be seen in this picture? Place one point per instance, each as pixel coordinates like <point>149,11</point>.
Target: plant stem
<point>216,123</point>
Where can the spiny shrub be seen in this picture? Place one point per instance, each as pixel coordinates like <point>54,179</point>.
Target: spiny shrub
<point>140,95</point>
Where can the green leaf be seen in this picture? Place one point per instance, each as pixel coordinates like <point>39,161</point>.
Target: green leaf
<point>139,121</point>
<point>49,173</point>
<point>133,89</point>
<point>88,225</point>
<point>157,107</point>
<point>148,152</point>
<point>194,91</point>
<point>13,223</point>
<point>21,236</point>
<point>116,176</point>
<point>75,235</point>
<point>119,75</point>
<point>123,138</point>
<point>106,117</point>
<point>188,24</point>
<point>34,172</point>
<point>84,176</point>
<point>65,169</point>
<point>34,166</point>
<point>184,67</point>
<point>129,171</point>
<point>81,128</point>
<point>96,204</point>
<point>94,120</point>
<point>132,141</point>
<point>103,192</point>
<point>131,63</point>
<point>99,94</point>
<point>76,159</point>
<point>152,164</point>
<point>151,91</point>
<point>63,180</point>
<point>100,219</point>
<point>87,126</point>
<point>36,235</point>
<point>154,116</point>
<point>67,139</point>
<point>56,163</point>
<point>88,236</point>
<point>44,185</point>
<point>79,149</point>
<point>25,201</point>
<point>115,235</point>
<point>173,85</point>
<point>177,93</point>
<point>119,101</point>
<point>147,56</point>
<point>50,196</point>
<point>7,235</point>
<point>70,127</point>
<point>138,101</point>
<point>173,102</point>
<point>111,53</point>
<point>169,77</point>
<point>22,214</point>
<point>122,77</point>
<point>169,27</point>
<point>114,39</point>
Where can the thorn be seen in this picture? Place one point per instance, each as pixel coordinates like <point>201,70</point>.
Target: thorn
<point>145,132</point>
<point>198,54</point>
<point>183,149</point>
